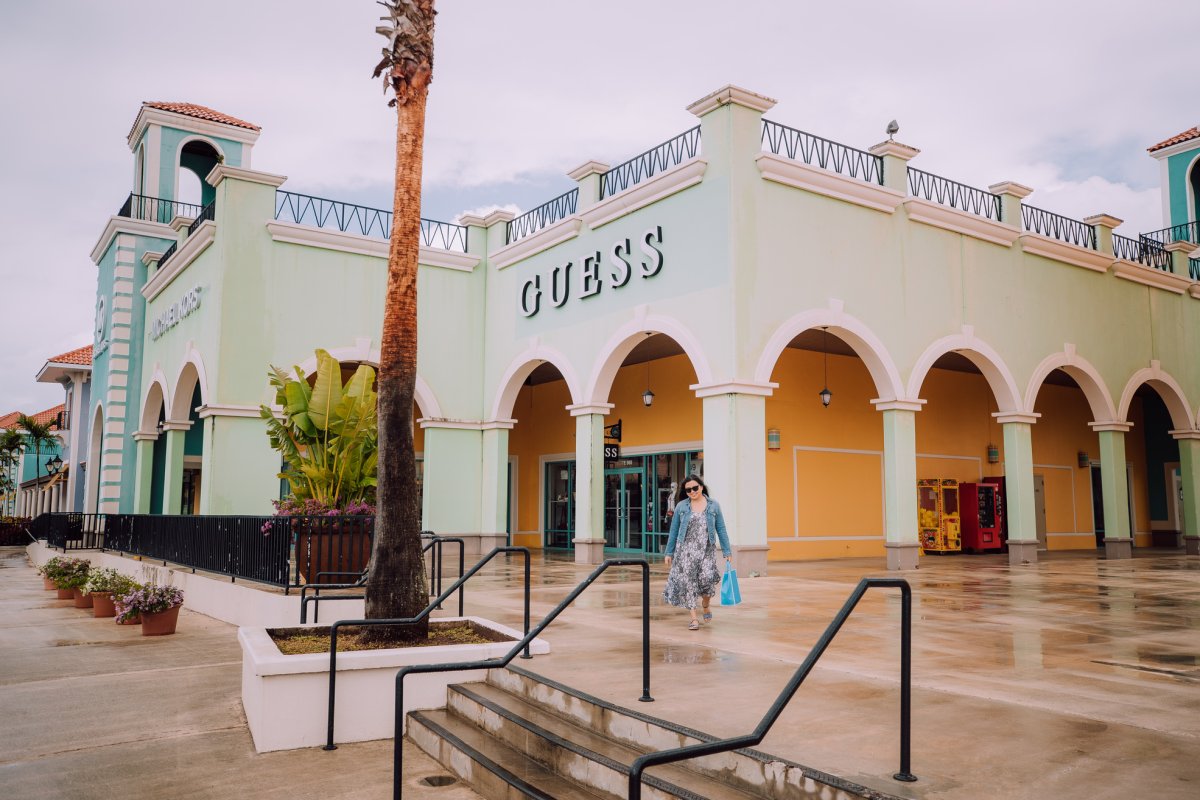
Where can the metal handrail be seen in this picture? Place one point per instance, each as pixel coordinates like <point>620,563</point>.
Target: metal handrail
<point>941,190</point>
<point>828,154</point>
<point>435,603</point>
<point>506,659</point>
<point>209,212</point>
<point>1183,232</point>
<point>170,252</point>
<point>1056,226</point>
<point>752,739</point>
<point>543,216</point>
<point>645,165</point>
<point>321,212</point>
<point>155,209</point>
<point>1141,251</point>
<point>1194,269</point>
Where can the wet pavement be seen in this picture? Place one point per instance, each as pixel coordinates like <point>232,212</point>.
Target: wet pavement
<point>1072,678</point>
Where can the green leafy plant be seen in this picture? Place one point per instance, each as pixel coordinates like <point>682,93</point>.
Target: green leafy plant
<point>149,599</point>
<point>52,570</point>
<point>72,573</point>
<point>109,580</point>
<point>327,433</point>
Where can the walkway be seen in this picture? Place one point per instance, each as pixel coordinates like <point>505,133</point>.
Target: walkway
<point>1074,678</point>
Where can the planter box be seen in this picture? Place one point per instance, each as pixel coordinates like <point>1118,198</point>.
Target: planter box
<point>286,698</point>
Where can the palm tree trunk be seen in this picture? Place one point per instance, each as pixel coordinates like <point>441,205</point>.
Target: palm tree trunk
<point>396,582</point>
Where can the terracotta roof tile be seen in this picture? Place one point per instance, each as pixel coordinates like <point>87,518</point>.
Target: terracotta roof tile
<point>1190,133</point>
<point>81,356</point>
<point>9,420</point>
<point>202,112</point>
<point>50,414</point>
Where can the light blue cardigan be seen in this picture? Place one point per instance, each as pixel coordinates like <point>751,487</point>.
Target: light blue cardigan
<point>716,525</point>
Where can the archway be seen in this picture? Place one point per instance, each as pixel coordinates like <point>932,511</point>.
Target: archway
<point>197,158</point>
<point>91,502</point>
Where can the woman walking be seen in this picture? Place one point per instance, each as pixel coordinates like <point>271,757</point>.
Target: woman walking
<point>696,527</point>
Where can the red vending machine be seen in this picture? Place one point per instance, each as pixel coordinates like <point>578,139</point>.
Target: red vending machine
<point>1002,502</point>
<point>982,517</point>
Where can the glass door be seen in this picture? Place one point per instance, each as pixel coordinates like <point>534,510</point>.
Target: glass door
<point>624,509</point>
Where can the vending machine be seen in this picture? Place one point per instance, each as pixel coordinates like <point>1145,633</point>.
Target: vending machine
<point>938,516</point>
<point>1002,503</point>
<point>982,516</point>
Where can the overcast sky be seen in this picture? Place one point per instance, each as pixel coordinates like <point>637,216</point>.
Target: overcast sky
<point>1060,95</point>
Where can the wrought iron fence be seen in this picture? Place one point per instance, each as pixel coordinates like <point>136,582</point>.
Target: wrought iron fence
<point>1141,251</point>
<point>1194,268</point>
<point>170,252</point>
<point>1186,232</point>
<point>824,153</point>
<point>946,192</point>
<point>655,160</point>
<point>319,212</point>
<point>70,531</point>
<point>156,209</point>
<point>1056,226</point>
<point>207,214</point>
<point>543,216</point>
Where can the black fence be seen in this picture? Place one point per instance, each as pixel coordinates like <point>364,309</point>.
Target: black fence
<point>543,216</point>
<point>156,209</point>
<point>814,150</point>
<point>1141,251</point>
<point>319,212</point>
<point>946,192</point>
<point>281,551</point>
<point>646,165</point>
<point>1056,226</point>
<point>1185,232</point>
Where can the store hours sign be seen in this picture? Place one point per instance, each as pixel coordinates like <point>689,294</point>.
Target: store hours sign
<point>613,268</point>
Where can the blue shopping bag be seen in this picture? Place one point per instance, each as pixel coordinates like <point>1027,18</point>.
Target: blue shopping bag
<point>731,595</point>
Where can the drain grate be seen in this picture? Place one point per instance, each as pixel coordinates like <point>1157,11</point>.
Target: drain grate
<point>439,780</point>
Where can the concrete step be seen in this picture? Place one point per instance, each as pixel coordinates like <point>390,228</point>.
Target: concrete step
<point>747,771</point>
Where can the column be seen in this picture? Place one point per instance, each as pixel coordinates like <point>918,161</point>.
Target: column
<point>895,158</point>
<point>1011,195</point>
<point>735,469</point>
<point>1118,541</point>
<point>1189,472</point>
<point>144,474</point>
<point>1018,487</point>
<point>494,511</point>
<point>173,471</point>
<point>901,538</point>
<point>453,481</point>
<point>589,481</point>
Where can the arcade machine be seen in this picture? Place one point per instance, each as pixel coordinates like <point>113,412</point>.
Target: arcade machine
<point>937,515</point>
<point>982,517</point>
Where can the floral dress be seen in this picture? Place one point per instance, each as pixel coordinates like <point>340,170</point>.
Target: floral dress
<point>694,567</point>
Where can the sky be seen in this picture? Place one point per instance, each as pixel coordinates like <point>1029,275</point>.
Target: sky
<point>1061,95</point>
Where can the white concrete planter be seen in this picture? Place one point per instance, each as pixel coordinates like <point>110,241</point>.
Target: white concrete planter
<point>286,697</point>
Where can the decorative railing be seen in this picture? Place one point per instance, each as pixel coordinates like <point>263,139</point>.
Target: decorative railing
<point>1141,252</point>
<point>543,216</point>
<point>655,160</point>
<point>1186,232</point>
<point>1194,268</point>
<point>170,252</point>
<point>208,213</point>
<point>946,192</point>
<point>1056,226</point>
<point>824,153</point>
<point>155,209</point>
<point>319,212</point>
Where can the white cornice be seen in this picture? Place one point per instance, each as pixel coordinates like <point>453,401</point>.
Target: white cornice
<point>184,122</point>
<point>150,256</point>
<point>799,175</point>
<point>227,410</point>
<point>136,227</point>
<point>1004,417</point>
<point>326,239</point>
<point>144,436</point>
<point>582,409</point>
<point>1149,276</point>
<point>734,387</point>
<point>1110,425</point>
<point>1175,149</point>
<point>1039,245</point>
<point>1017,190</point>
<point>180,222</point>
<point>54,371</point>
<point>498,215</point>
<point>544,239</point>
<point>1104,220</point>
<point>467,424</point>
<point>181,259</point>
<point>1184,434</point>
<point>177,425</point>
<point>222,171</point>
<point>1194,290</point>
<point>731,94</point>
<point>665,184</point>
<point>588,168</point>
<point>891,147</point>
<point>898,405</point>
<point>472,220</point>
<point>951,219</point>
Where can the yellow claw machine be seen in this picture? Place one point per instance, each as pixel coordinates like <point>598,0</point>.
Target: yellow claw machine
<point>938,518</point>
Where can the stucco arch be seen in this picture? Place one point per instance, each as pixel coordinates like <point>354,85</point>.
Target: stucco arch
<point>156,399</point>
<point>852,331</point>
<point>91,489</point>
<point>1087,376</point>
<point>1168,389</point>
<point>627,337</point>
<point>519,369</point>
<point>361,352</point>
<point>191,373</point>
<point>184,142</point>
<point>983,356</point>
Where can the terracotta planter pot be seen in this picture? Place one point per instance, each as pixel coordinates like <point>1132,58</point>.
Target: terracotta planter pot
<point>134,621</point>
<point>48,585</point>
<point>102,604</point>
<point>82,599</point>
<point>160,623</point>
<point>65,594</point>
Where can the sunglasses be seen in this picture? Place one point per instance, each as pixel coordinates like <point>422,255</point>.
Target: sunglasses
<point>690,489</point>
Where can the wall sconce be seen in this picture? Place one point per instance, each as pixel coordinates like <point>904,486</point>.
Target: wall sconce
<point>1085,460</point>
<point>773,438</point>
<point>993,453</point>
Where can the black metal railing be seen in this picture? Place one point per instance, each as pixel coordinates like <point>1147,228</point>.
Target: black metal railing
<point>543,216</point>
<point>167,255</point>
<point>648,164</point>
<point>155,209</point>
<point>1194,268</point>
<point>69,531</point>
<point>752,739</point>
<point>207,214</point>
<point>391,623</point>
<point>1141,251</point>
<point>319,212</point>
<point>824,153</point>
<point>946,192</point>
<point>1056,226</point>
<point>1184,232</point>
<point>506,659</point>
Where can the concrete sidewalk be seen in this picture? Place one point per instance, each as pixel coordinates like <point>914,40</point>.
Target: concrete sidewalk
<point>1073,678</point>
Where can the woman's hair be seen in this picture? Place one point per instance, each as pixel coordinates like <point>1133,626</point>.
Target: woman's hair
<point>683,495</point>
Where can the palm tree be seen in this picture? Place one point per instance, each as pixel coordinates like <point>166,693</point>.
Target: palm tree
<point>396,580</point>
<point>11,445</point>
<point>37,435</point>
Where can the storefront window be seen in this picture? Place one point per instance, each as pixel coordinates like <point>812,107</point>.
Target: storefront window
<point>560,505</point>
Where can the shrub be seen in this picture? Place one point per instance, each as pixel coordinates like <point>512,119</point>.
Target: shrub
<point>71,573</point>
<point>148,599</point>
<point>109,580</point>
<point>52,569</point>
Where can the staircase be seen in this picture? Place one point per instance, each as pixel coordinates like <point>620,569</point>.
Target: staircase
<point>520,735</point>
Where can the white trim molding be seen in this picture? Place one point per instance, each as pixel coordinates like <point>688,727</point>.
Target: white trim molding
<point>1149,276</point>
<point>226,410</point>
<point>951,219</point>
<point>1038,245</point>
<point>734,387</point>
<point>731,94</point>
<point>325,239</point>
<point>186,122</point>
<point>195,244</point>
<point>467,424</point>
<point>664,184</point>
<point>583,409</point>
<point>799,175</point>
<point>134,227</point>
<point>563,230</point>
<point>222,171</point>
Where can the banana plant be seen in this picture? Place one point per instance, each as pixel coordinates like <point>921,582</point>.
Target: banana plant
<point>327,433</point>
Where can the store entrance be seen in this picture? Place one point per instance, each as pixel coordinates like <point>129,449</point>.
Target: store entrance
<point>625,508</point>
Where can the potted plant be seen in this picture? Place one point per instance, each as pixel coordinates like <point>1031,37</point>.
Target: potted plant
<point>50,572</point>
<point>158,606</point>
<point>70,577</point>
<point>102,585</point>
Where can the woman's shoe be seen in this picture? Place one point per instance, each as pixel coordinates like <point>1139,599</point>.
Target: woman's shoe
<point>708,616</point>
<point>693,626</point>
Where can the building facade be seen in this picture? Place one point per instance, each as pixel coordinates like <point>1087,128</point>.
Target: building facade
<point>811,327</point>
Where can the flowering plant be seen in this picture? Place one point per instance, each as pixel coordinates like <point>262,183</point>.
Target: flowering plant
<point>52,568</point>
<point>148,599</point>
<point>70,573</point>
<point>291,506</point>
<point>109,580</point>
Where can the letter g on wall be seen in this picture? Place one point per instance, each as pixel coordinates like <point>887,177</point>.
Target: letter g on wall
<point>531,296</point>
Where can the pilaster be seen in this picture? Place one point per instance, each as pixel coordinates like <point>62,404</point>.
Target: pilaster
<point>1180,253</point>
<point>494,512</point>
<point>1018,481</point>
<point>735,470</point>
<point>895,157</point>
<point>1118,541</point>
<point>1011,195</point>
<point>589,488</point>
<point>1189,473</point>
<point>144,475</point>
<point>1104,224</point>
<point>173,470</point>
<point>901,540</point>
<point>587,176</point>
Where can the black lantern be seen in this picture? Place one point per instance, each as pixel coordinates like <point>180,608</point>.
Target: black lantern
<point>647,396</point>
<point>825,394</point>
<point>53,465</point>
